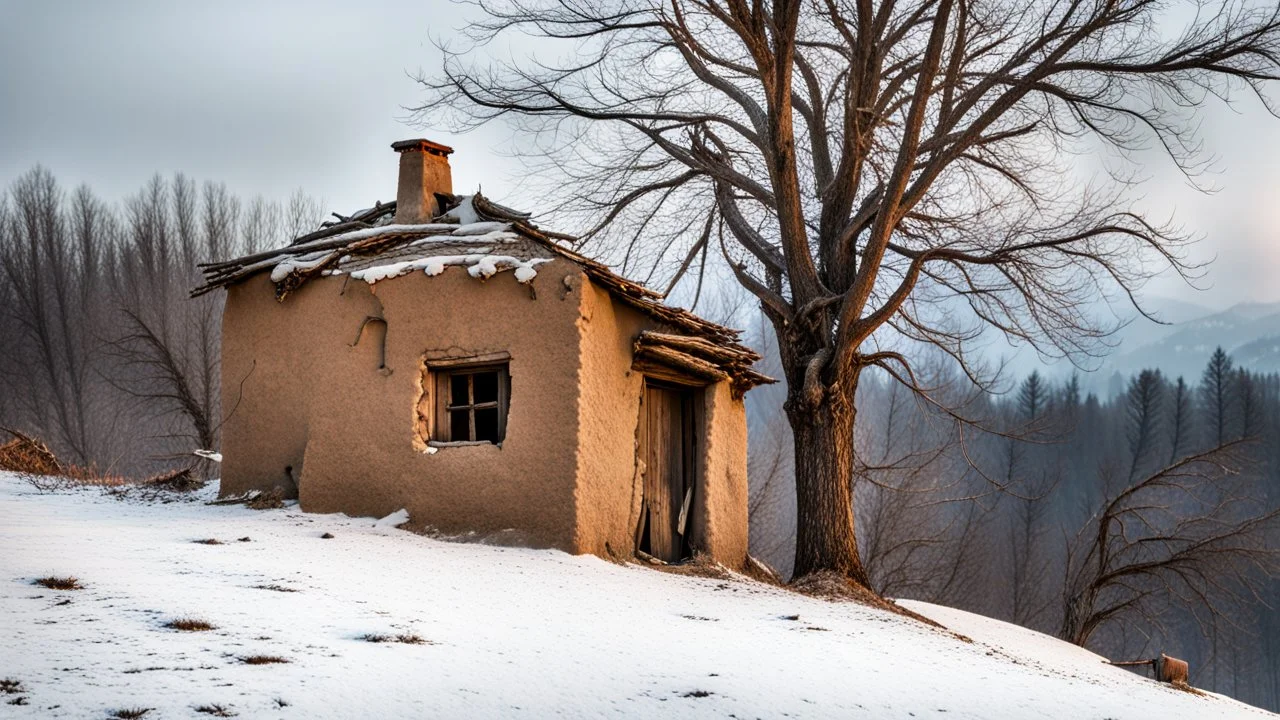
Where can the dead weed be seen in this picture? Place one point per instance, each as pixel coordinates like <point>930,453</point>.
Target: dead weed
<point>405,638</point>
<point>274,587</point>
<point>835,587</point>
<point>179,481</point>
<point>35,462</point>
<point>263,660</point>
<point>270,500</point>
<point>28,456</point>
<point>190,624</point>
<point>59,583</point>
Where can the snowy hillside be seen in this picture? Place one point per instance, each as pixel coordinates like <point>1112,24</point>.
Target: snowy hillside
<point>508,632</point>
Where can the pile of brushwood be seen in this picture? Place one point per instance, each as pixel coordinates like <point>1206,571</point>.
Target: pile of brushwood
<point>34,461</point>
<point>28,456</point>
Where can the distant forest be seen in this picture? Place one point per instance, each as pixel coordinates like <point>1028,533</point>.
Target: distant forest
<point>103,355</point>
<point>1135,524</point>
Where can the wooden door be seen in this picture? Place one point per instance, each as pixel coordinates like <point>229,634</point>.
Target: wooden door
<point>666,448</point>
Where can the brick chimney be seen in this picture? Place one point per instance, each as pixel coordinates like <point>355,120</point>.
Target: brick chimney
<point>424,171</point>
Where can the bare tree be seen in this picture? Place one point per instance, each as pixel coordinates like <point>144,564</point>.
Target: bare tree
<point>867,170</point>
<point>1184,533</point>
<point>261,226</point>
<point>167,345</point>
<point>303,214</point>
<point>917,513</point>
<point>50,259</point>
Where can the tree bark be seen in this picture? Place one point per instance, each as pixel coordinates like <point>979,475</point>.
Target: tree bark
<point>824,454</point>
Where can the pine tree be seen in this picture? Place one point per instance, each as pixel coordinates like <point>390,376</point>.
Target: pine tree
<point>1144,401</point>
<point>1216,390</point>
<point>1179,419</point>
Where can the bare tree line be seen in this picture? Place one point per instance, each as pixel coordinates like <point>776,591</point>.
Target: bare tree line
<point>1145,522</point>
<point>103,355</point>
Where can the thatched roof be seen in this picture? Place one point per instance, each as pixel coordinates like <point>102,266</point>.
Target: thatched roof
<point>486,238</point>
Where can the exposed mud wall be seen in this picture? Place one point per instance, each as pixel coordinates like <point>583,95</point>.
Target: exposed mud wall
<point>322,405</point>
<point>268,374</point>
<point>608,489</point>
<point>724,467</point>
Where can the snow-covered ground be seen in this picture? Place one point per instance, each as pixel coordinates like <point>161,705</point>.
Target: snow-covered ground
<point>511,632</point>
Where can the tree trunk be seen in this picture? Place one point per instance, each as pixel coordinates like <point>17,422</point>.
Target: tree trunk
<point>824,452</point>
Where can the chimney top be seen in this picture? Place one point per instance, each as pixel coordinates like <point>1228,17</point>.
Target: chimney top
<point>424,175</point>
<point>422,145</point>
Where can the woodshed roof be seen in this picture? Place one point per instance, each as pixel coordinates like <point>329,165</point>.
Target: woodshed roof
<point>486,238</point>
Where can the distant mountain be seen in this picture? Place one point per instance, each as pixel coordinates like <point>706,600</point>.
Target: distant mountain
<point>1261,354</point>
<point>1250,332</point>
<point>1179,345</point>
<point>1171,313</point>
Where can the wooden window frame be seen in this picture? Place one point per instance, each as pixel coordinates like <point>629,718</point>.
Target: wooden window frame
<point>444,406</point>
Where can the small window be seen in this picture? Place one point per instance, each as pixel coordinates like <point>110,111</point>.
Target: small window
<point>473,404</point>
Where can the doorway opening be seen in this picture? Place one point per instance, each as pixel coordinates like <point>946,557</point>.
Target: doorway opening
<point>668,450</point>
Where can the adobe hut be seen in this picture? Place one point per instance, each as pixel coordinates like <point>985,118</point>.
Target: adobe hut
<point>441,354</point>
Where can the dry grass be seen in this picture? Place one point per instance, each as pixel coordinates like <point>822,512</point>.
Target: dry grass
<point>59,583</point>
<point>215,710</point>
<point>208,541</point>
<point>36,463</point>
<point>180,481</point>
<point>836,587</point>
<point>263,660</point>
<point>11,686</point>
<point>760,571</point>
<point>269,500</point>
<point>700,565</point>
<point>275,587</point>
<point>405,638</point>
<point>27,455</point>
<point>190,624</point>
<point>697,694</point>
<point>130,713</point>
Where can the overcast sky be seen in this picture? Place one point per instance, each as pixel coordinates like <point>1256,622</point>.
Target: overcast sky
<point>272,96</point>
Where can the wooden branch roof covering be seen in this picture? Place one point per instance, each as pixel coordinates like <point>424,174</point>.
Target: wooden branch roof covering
<point>350,242</point>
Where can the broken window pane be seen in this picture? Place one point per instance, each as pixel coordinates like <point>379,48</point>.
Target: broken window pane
<point>487,425</point>
<point>458,390</point>
<point>460,425</point>
<point>486,387</point>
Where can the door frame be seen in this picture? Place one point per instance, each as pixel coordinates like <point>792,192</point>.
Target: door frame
<point>693,414</point>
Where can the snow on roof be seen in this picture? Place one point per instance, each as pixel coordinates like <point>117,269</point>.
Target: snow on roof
<point>440,245</point>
